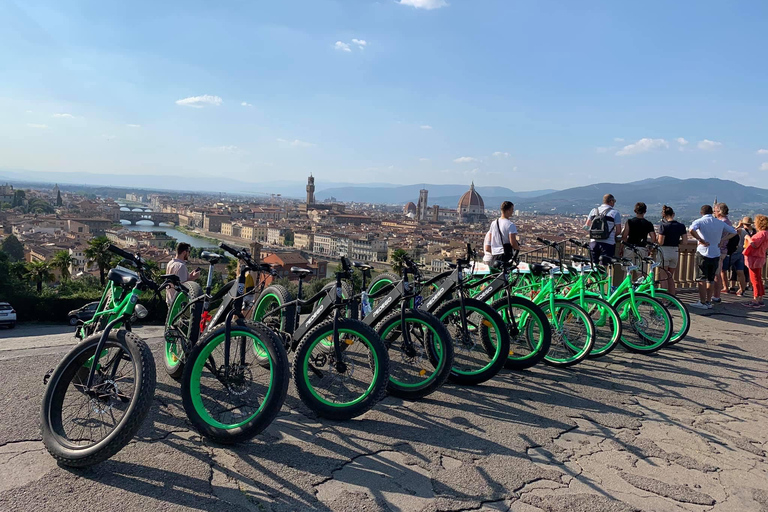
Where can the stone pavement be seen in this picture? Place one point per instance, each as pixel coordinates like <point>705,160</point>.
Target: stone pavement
<point>683,429</point>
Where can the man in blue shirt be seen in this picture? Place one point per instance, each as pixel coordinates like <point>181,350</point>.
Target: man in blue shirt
<point>709,232</point>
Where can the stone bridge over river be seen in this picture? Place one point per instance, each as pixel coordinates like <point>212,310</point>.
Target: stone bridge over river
<point>156,217</point>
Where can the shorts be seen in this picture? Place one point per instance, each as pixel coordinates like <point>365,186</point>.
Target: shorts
<point>734,262</point>
<point>706,268</point>
<point>637,255</point>
<point>669,256</point>
<point>720,263</point>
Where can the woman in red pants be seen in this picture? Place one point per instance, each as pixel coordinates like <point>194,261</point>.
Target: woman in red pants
<point>754,258</point>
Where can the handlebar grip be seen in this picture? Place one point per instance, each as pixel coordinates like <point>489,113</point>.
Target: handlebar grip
<point>345,264</point>
<point>234,252</point>
<point>120,252</point>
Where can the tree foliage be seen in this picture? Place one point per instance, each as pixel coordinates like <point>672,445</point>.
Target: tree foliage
<point>98,253</point>
<point>398,260</point>
<point>40,272</point>
<point>61,261</point>
<point>13,248</point>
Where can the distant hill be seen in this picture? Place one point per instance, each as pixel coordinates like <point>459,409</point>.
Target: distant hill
<point>443,195</point>
<point>684,195</point>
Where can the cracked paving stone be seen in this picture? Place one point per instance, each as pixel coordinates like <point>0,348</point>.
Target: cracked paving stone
<point>681,493</point>
<point>578,503</point>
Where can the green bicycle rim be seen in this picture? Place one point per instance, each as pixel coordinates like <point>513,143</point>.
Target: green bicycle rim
<point>197,371</point>
<point>652,343</point>
<point>531,317</point>
<point>172,349</point>
<point>679,333</point>
<point>495,326</point>
<point>438,351</point>
<point>305,369</point>
<point>582,319</point>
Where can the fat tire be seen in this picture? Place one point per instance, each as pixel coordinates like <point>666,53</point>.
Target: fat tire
<point>513,363</point>
<point>279,386</point>
<point>144,365</point>
<point>283,296</point>
<point>493,317</point>
<point>584,352</point>
<point>668,319</point>
<point>194,291</point>
<point>446,346</point>
<point>379,388</point>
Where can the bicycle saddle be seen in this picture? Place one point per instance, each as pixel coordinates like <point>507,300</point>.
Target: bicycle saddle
<point>123,277</point>
<point>211,257</point>
<point>580,259</point>
<point>362,266</point>
<point>172,278</point>
<point>300,271</point>
<point>537,269</point>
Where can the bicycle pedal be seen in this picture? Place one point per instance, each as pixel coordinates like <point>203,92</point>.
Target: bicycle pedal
<point>349,341</point>
<point>422,372</point>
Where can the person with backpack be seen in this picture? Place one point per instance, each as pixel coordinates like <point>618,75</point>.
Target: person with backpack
<point>503,233</point>
<point>671,234</point>
<point>603,223</point>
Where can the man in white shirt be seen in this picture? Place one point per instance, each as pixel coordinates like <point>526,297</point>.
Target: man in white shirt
<point>503,231</point>
<point>178,266</point>
<point>709,232</point>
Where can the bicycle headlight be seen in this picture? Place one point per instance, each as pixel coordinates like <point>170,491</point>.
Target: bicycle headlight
<point>140,311</point>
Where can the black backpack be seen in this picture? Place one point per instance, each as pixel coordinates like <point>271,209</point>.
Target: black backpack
<point>599,229</point>
<point>733,245</point>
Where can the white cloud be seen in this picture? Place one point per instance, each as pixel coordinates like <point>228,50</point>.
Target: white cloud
<point>361,43</point>
<point>34,125</point>
<point>246,104</point>
<point>424,160</point>
<point>708,145</point>
<point>297,143</point>
<point>221,149</point>
<point>642,146</point>
<point>425,127</point>
<point>68,116</point>
<point>500,154</point>
<point>200,101</point>
<point>133,125</point>
<point>762,151</point>
<point>465,159</point>
<point>425,4</point>
<point>618,139</point>
<point>344,47</point>
<point>764,167</point>
<point>681,141</point>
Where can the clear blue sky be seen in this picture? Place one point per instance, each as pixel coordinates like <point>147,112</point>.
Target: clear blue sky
<point>525,94</point>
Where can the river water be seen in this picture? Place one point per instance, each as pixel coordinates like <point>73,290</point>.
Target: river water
<point>170,231</point>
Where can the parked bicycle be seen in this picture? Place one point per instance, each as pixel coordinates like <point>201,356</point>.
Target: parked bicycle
<point>340,366</point>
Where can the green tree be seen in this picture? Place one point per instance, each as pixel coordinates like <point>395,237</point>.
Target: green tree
<point>18,198</point>
<point>232,269</point>
<point>13,248</point>
<point>40,272</point>
<point>62,260</point>
<point>398,260</point>
<point>98,253</point>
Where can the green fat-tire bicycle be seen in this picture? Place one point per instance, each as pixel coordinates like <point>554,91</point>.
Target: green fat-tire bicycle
<point>232,404</point>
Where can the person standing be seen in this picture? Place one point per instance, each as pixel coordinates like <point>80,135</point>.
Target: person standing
<point>734,259</point>
<point>671,234</point>
<point>637,229</point>
<point>178,266</point>
<point>721,212</point>
<point>709,232</point>
<point>503,231</point>
<point>603,223</point>
<point>754,256</point>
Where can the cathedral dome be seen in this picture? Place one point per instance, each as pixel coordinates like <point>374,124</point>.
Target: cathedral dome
<point>471,202</point>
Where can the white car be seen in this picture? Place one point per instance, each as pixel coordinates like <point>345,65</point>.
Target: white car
<point>7,315</point>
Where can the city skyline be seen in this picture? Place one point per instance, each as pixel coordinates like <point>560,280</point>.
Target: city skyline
<point>525,96</point>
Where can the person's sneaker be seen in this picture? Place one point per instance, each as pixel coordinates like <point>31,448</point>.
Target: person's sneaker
<point>709,305</point>
<point>698,305</point>
<point>716,300</point>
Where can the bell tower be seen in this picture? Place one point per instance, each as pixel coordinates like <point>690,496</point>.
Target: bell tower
<point>310,190</point>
